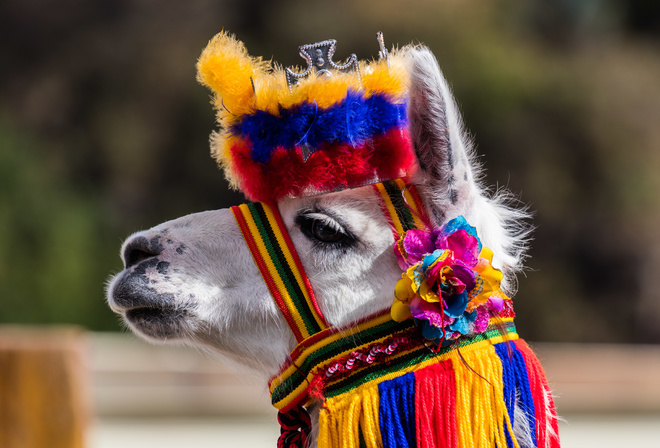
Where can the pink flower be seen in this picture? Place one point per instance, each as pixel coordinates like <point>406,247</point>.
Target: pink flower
<point>449,285</point>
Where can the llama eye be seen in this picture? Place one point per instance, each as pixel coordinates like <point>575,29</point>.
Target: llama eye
<point>323,232</point>
<point>322,229</point>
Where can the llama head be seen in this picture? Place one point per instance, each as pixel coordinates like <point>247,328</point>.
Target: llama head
<point>193,279</point>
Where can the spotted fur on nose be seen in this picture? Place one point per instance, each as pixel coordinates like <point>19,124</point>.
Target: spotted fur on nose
<point>139,248</point>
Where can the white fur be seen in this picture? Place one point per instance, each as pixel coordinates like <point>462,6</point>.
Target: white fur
<point>433,112</point>
<point>224,306</point>
<point>521,429</point>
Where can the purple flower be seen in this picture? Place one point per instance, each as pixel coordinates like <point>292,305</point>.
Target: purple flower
<point>431,312</point>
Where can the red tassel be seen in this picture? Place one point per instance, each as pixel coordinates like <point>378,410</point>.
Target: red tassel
<point>544,406</point>
<point>435,406</point>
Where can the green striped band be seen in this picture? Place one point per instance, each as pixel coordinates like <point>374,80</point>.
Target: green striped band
<point>275,250</point>
<point>419,354</point>
<point>402,210</point>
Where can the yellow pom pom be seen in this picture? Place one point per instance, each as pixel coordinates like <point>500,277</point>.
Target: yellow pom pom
<point>226,68</point>
<point>400,311</point>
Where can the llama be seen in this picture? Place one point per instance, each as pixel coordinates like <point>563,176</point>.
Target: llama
<point>304,287</point>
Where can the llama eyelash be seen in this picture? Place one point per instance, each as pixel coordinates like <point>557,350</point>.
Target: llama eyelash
<point>325,231</point>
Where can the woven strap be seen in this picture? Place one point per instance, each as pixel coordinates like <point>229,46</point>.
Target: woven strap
<point>336,361</point>
<point>280,267</point>
<point>402,205</point>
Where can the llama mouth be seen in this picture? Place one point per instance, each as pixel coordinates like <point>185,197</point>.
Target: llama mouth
<point>159,323</point>
<point>133,291</point>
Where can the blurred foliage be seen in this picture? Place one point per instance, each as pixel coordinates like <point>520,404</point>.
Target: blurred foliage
<point>103,131</point>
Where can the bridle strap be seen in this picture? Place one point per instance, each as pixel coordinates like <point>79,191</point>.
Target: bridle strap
<point>402,206</point>
<point>339,360</point>
<point>280,267</point>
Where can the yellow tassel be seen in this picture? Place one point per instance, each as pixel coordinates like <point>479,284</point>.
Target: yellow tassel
<point>482,419</point>
<point>344,417</point>
<point>480,408</point>
<point>370,420</point>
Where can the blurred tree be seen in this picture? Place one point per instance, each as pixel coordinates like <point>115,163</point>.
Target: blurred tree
<point>642,16</point>
<point>53,238</point>
<point>104,131</point>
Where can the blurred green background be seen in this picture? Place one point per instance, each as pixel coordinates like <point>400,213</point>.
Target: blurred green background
<point>104,131</point>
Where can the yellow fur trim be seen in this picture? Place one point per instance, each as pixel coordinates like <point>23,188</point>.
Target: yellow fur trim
<point>243,84</point>
<point>226,68</point>
<point>221,143</point>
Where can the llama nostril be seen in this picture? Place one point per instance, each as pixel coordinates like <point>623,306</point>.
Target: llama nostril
<point>140,249</point>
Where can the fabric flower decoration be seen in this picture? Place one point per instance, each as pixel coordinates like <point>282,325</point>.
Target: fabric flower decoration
<point>448,286</point>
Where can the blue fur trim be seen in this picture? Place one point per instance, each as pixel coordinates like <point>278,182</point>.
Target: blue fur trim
<point>353,121</point>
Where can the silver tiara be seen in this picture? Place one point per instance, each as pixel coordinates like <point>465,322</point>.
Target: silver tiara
<point>319,60</point>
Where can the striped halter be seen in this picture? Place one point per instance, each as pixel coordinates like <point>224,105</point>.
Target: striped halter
<point>280,266</point>
<point>379,382</point>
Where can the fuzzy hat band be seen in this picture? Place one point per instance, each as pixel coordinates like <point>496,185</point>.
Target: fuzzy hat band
<point>325,132</point>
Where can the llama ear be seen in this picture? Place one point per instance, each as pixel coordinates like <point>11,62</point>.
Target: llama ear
<point>443,152</point>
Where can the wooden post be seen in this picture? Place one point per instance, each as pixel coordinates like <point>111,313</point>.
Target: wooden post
<point>44,398</point>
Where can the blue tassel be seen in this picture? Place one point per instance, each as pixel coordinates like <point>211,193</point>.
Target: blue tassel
<point>397,412</point>
<point>516,386</point>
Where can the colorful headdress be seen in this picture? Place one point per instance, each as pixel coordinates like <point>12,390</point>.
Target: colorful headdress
<point>329,128</point>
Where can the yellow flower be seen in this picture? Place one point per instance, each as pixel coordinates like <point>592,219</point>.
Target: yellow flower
<point>400,311</point>
<point>487,254</point>
<point>403,294</point>
<point>489,278</point>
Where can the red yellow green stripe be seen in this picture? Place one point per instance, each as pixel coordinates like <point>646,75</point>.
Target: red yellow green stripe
<point>402,206</point>
<point>292,255</point>
<point>273,252</point>
<point>413,202</point>
<point>309,360</point>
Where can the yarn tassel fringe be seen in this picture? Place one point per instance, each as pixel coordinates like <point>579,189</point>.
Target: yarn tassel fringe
<point>468,398</point>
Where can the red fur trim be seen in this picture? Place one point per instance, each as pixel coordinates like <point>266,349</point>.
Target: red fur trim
<point>331,168</point>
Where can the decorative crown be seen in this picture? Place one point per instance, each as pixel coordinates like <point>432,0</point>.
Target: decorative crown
<point>288,133</point>
<point>319,58</point>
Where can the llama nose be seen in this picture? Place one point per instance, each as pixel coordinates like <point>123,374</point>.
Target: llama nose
<point>139,248</point>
